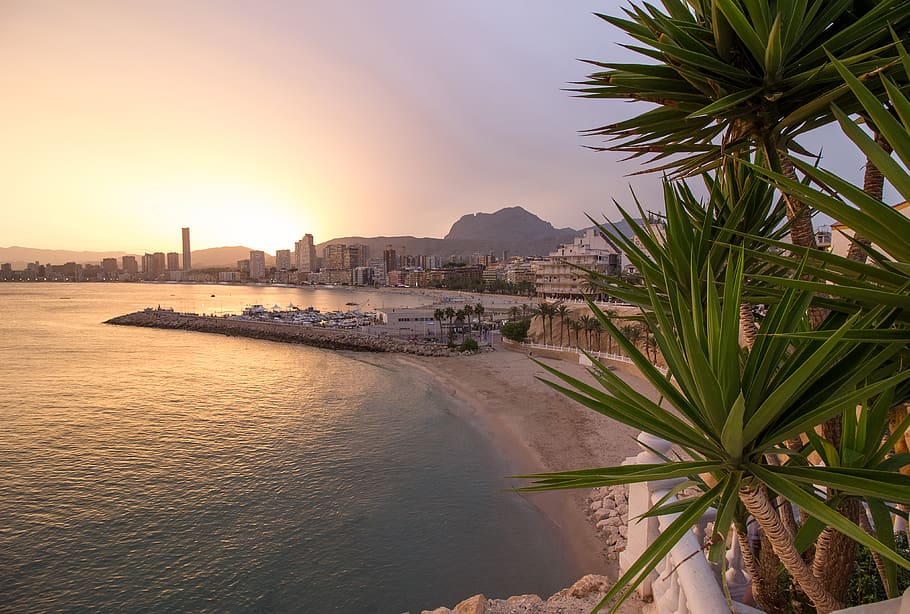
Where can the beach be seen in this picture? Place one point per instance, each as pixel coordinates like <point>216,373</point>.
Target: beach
<point>538,430</point>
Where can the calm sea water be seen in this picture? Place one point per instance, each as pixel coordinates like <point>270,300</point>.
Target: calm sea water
<point>146,470</point>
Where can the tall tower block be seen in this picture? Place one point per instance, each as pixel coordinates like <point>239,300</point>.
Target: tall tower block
<point>187,257</point>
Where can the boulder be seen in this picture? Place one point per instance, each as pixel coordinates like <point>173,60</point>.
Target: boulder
<point>472,605</point>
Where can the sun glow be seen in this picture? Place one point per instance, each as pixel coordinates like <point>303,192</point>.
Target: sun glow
<point>231,212</point>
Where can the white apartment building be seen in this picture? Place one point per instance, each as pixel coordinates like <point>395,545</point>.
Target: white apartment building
<point>557,278</point>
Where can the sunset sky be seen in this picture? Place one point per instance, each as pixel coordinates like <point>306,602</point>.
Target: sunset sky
<point>256,122</point>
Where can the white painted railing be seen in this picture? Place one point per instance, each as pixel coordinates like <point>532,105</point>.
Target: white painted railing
<point>583,354</point>
<point>685,581</point>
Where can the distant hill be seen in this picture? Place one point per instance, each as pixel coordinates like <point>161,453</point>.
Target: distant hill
<point>19,256</point>
<point>220,257</point>
<point>512,229</point>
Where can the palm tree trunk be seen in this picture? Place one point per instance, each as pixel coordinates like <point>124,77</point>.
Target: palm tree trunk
<point>764,585</point>
<point>835,554</point>
<point>747,328</point>
<point>757,503</point>
<point>874,186</point>
<point>799,216</point>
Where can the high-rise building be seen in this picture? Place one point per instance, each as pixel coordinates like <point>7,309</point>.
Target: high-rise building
<point>257,264</point>
<point>335,256</point>
<point>305,254</point>
<point>187,255</point>
<point>283,260</point>
<point>390,259</point>
<point>356,255</point>
<point>363,276</point>
<point>160,262</point>
<point>173,261</point>
<point>129,264</point>
<point>109,266</point>
<point>153,265</point>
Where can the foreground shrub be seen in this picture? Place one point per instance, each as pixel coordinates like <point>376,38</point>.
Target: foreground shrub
<point>516,331</point>
<point>468,345</point>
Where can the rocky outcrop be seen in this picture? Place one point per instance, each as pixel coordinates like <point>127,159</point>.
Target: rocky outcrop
<point>579,598</point>
<point>608,509</point>
<point>275,331</point>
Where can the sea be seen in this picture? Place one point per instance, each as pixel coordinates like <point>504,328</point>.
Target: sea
<point>146,470</point>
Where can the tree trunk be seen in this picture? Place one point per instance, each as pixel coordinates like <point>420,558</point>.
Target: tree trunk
<point>835,554</point>
<point>799,216</point>
<point>757,503</point>
<point>747,328</point>
<point>801,231</point>
<point>874,186</point>
<point>765,584</point>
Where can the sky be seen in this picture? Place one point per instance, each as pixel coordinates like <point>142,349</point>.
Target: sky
<point>256,122</point>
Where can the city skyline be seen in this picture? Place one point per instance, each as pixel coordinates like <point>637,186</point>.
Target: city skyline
<point>252,124</point>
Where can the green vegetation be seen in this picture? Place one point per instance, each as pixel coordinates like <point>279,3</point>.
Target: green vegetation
<point>468,345</point>
<point>825,364</point>
<point>516,330</point>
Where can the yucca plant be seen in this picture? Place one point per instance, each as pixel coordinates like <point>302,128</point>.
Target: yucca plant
<point>729,76</point>
<point>728,410</point>
<point>725,77</point>
<point>735,83</point>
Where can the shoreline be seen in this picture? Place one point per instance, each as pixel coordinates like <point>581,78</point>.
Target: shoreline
<point>535,429</point>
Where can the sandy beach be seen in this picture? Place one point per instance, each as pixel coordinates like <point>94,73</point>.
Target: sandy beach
<point>537,429</point>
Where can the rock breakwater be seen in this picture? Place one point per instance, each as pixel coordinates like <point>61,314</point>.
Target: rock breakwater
<point>274,331</point>
<point>580,598</point>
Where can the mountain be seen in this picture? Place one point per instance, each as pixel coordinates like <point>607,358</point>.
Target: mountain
<point>511,224</point>
<point>19,256</point>
<point>513,229</point>
<point>221,257</point>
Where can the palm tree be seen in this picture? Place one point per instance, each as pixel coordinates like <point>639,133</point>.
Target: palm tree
<point>734,76</point>
<point>468,311</point>
<point>479,311</point>
<point>563,312</point>
<point>587,323</point>
<point>450,316</point>
<point>632,332</point>
<point>545,310</point>
<point>514,312</point>
<point>439,315</point>
<point>459,317</point>
<point>609,314</point>
<point>576,326</point>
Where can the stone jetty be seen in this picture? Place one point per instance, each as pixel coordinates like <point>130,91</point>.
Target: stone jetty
<point>316,336</point>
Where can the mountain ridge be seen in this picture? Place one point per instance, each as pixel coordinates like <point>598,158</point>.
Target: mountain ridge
<point>511,229</point>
